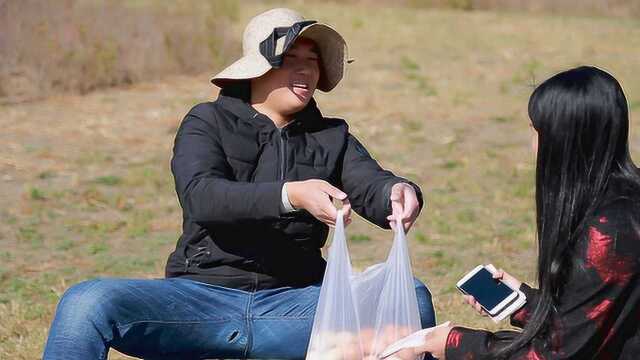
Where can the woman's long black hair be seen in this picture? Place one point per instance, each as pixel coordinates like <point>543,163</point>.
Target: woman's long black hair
<point>582,119</point>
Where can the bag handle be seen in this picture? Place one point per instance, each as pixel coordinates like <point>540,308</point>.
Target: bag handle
<point>399,227</point>
<point>340,219</point>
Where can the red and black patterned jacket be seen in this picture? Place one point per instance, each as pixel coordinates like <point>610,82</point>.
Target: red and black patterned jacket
<point>598,316</point>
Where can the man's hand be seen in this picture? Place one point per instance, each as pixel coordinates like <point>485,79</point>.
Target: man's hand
<point>404,205</point>
<point>316,197</point>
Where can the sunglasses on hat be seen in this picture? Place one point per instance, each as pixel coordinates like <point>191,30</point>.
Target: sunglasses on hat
<point>269,46</point>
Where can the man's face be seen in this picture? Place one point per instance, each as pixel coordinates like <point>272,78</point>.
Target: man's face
<point>289,88</point>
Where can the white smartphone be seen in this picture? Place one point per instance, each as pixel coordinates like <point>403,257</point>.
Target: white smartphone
<point>492,294</point>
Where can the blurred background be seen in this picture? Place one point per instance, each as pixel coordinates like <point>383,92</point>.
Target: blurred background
<point>92,93</point>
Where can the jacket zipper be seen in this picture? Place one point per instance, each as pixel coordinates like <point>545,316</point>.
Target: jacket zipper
<point>283,153</point>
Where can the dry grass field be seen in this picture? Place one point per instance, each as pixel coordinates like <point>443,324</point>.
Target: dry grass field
<point>52,47</point>
<point>438,96</point>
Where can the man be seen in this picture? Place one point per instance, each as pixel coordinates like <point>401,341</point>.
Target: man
<point>256,172</point>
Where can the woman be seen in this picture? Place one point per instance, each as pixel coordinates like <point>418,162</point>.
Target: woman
<point>588,225</point>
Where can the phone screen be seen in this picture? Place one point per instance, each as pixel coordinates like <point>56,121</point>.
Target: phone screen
<point>486,290</point>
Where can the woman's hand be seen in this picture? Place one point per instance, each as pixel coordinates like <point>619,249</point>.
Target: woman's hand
<point>501,275</point>
<point>435,342</point>
<point>474,304</point>
<point>507,279</point>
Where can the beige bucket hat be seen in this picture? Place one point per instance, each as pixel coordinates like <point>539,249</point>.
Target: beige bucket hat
<point>268,36</point>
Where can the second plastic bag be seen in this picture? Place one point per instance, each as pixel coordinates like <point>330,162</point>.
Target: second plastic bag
<point>359,314</point>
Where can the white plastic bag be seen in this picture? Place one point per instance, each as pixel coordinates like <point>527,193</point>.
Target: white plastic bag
<point>359,314</point>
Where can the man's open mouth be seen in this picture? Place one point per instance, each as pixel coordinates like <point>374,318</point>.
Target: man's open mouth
<point>300,85</point>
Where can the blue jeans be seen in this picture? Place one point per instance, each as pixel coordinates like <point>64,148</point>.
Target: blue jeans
<point>184,319</point>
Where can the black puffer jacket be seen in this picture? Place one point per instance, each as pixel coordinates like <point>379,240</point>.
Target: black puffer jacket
<point>230,163</point>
